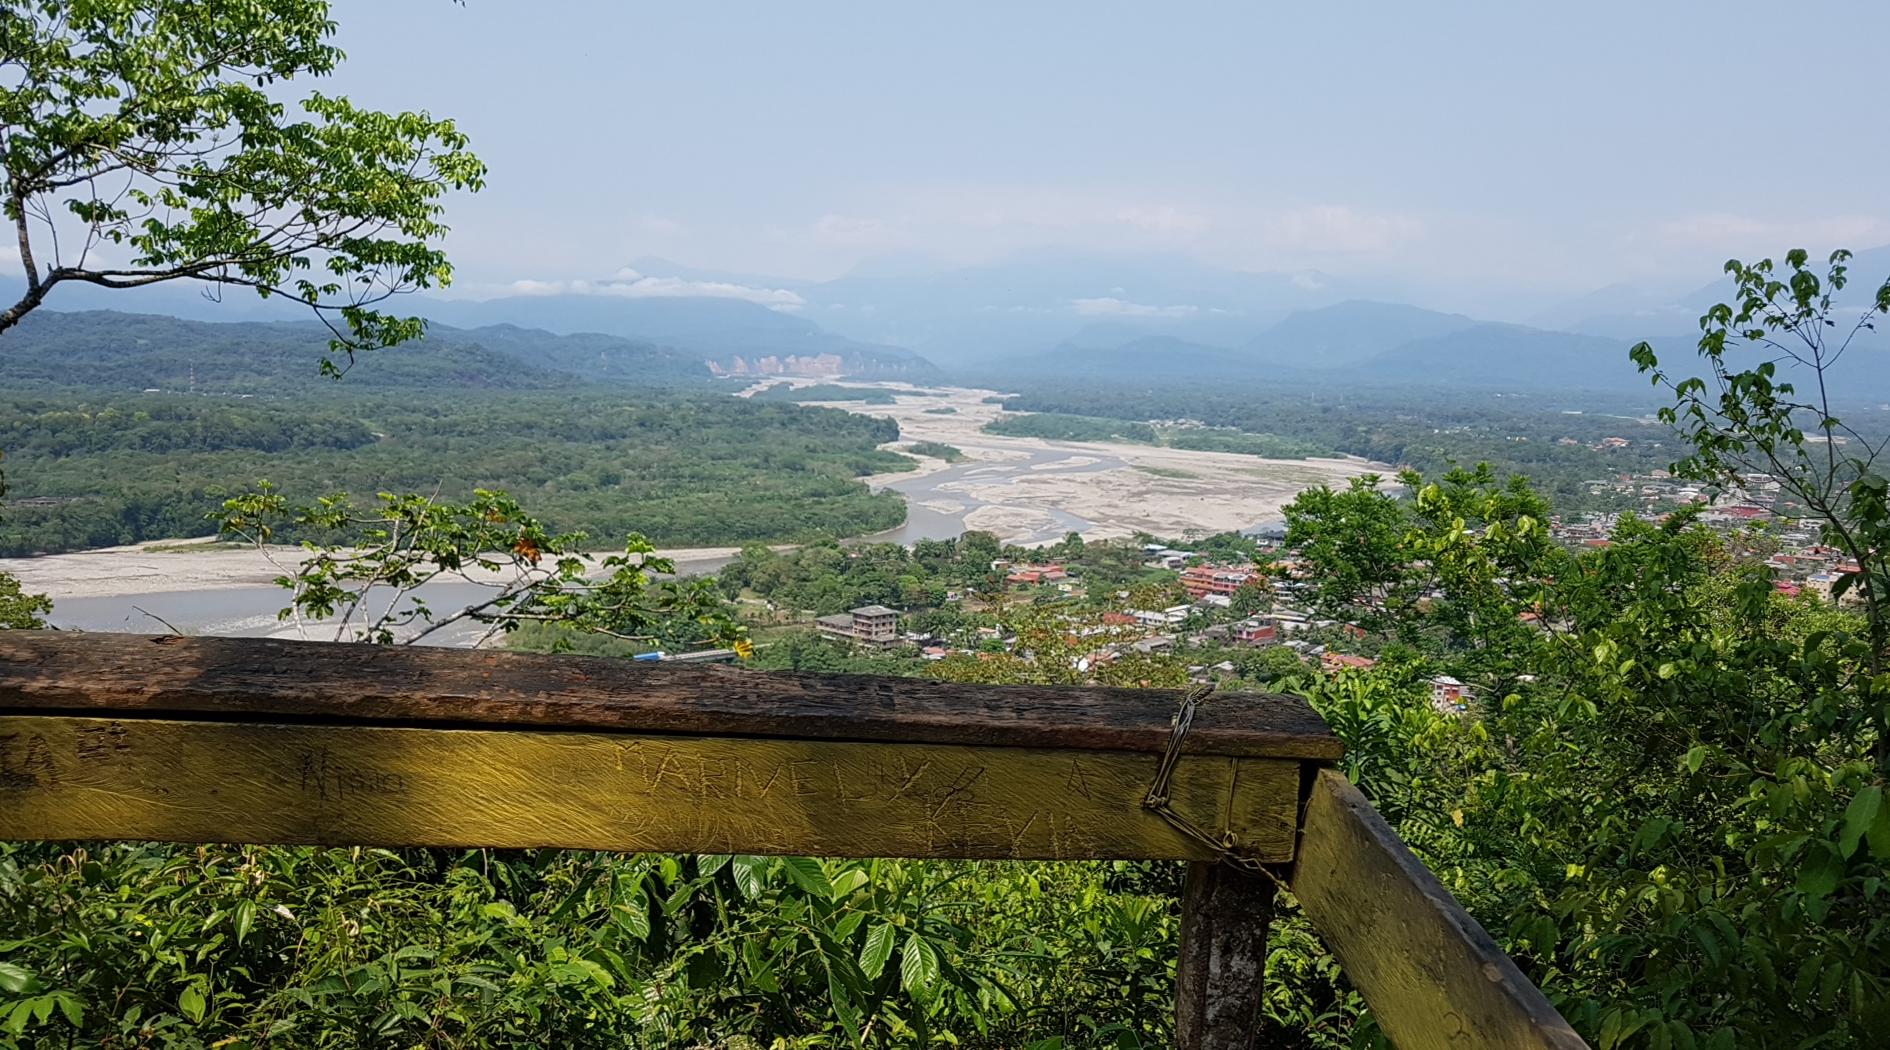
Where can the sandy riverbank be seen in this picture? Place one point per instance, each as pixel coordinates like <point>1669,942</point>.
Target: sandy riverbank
<point>1118,488</point>
<point>183,565</point>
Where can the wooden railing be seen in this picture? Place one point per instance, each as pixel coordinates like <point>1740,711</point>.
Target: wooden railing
<point>240,740</point>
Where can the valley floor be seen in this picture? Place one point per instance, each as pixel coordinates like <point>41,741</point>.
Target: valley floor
<point>1030,490</point>
<point>1025,490</point>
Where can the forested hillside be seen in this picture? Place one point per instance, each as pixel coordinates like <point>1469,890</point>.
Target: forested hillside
<point>120,428</point>
<point>105,350</point>
<point>683,468</point>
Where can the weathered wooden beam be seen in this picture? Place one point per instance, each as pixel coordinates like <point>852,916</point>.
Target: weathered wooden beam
<point>64,777</point>
<point>1433,977</point>
<point>114,675</point>
<point>1220,971</point>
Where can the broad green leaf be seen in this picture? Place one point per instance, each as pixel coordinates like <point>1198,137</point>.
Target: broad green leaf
<point>848,923</point>
<point>843,1007</point>
<point>918,966</point>
<point>751,875</point>
<point>806,873</point>
<point>1858,817</point>
<point>758,969</point>
<point>1878,834</point>
<point>16,979</point>
<point>16,1016</point>
<point>878,949</point>
<point>848,882</point>
<point>243,917</point>
<point>190,1002</point>
<point>633,918</point>
<point>69,1006</point>
<point>1821,872</point>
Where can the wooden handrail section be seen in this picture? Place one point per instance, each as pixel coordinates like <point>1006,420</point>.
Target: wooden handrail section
<point>169,676</point>
<point>214,740</point>
<point>1434,978</point>
<point>212,781</point>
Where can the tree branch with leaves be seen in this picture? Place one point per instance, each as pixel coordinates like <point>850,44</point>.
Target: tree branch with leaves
<point>367,580</point>
<point>143,142</point>
<point>1747,417</point>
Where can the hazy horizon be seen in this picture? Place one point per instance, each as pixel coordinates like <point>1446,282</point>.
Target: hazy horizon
<point>1478,157</point>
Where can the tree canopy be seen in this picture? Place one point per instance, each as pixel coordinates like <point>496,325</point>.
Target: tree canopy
<point>146,141</point>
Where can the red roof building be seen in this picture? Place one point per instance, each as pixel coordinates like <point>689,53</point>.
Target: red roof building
<point>1208,579</point>
<point>1332,661</point>
<point>1256,632</point>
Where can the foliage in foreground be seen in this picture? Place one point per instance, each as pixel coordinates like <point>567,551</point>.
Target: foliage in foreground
<point>20,610</point>
<point>143,945</point>
<point>367,581</point>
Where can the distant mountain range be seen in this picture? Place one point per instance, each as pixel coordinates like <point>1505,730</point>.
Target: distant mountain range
<point>1378,343</point>
<point>731,336</point>
<point>1151,317</point>
<point>1349,333</point>
<point>1146,318</point>
<point>1632,311</point>
<point>106,350</point>
<point>1358,341</point>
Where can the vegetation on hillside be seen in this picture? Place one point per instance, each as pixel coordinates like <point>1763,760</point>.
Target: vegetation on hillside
<point>824,392</point>
<point>1057,426</point>
<point>937,450</point>
<point>682,468</point>
<point>99,351</point>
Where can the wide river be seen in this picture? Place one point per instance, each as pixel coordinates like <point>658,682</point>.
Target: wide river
<point>937,503</point>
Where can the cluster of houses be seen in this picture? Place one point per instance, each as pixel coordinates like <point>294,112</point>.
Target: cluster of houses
<point>1659,491</point>
<point>1801,565</point>
<point>1031,575</point>
<point>1134,630</point>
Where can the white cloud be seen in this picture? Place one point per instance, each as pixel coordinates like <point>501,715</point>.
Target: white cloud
<point>851,230</point>
<point>1110,306</point>
<point>657,225</point>
<point>1337,229</point>
<point>629,284</point>
<point>1164,220</point>
<point>960,224</point>
<point>1725,231</point>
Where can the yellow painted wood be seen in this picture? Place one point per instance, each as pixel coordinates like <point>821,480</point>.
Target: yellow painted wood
<point>200,781</point>
<point>1434,979</point>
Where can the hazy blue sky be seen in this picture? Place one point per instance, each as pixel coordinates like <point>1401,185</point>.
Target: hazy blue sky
<point>1529,146</point>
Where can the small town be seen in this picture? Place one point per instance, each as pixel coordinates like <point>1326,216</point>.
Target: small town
<point>1236,608</point>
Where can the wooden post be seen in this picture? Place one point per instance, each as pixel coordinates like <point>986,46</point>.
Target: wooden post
<point>1221,973</point>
